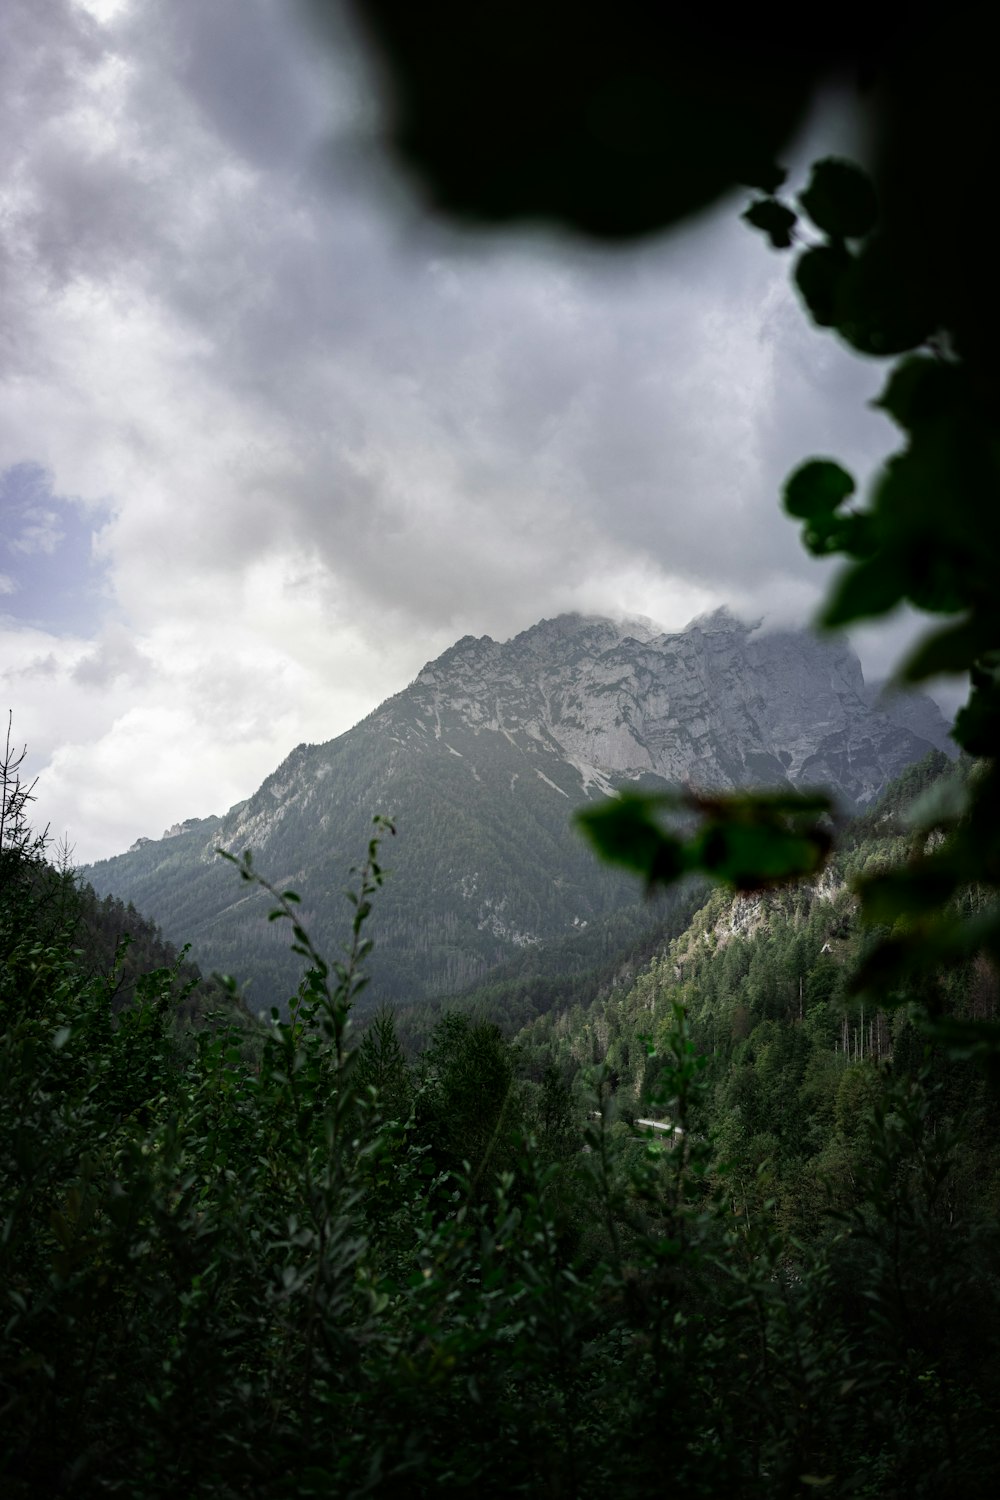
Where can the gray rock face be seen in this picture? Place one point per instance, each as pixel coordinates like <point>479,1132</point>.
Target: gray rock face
<point>720,704</point>
<point>481,761</point>
<point>914,711</point>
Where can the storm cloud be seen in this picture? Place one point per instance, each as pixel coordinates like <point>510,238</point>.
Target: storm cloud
<point>306,437</point>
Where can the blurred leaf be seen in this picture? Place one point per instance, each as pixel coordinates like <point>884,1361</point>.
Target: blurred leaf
<point>816,488</point>
<point>625,831</point>
<point>906,893</point>
<point>748,842</point>
<point>613,121</point>
<point>840,199</point>
<point>931,519</point>
<point>775,219</point>
<point>852,534</point>
<point>762,804</point>
<point>886,968</point>
<point>863,296</point>
<point>869,588</point>
<point>938,941</point>
<point>751,855</point>
<point>877,311</point>
<point>945,801</point>
<point>949,650</point>
<point>919,389</point>
<point>819,276</point>
<point>977,725</point>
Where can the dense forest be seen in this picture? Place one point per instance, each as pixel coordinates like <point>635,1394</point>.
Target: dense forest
<point>792,1061</point>
<point>286,1260</point>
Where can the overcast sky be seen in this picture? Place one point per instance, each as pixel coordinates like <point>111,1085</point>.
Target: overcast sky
<point>270,439</point>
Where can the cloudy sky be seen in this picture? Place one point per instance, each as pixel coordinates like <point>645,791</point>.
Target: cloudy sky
<point>270,439</point>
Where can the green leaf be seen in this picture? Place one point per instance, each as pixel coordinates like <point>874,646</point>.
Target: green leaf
<point>840,199</point>
<point>918,390</point>
<point>817,488</point>
<point>755,805</point>
<point>905,893</point>
<point>933,523</point>
<point>877,309</point>
<point>749,842</point>
<point>883,972</point>
<point>867,589</point>
<point>819,276</point>
<point>977,726</point>
<point>624,831</point>
<point>951,650</point>
<point>853,535</point>
<point>775,219</point>
<point>945,801</point>
<point>752,856</point>
<point>946,939</point>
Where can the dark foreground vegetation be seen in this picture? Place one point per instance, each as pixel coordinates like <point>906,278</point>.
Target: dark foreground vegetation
<point>245,1261</point>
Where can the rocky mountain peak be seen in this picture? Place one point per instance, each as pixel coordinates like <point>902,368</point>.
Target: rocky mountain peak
<point>724,702</point>
<point>720,621</point>
<point>481,761</point>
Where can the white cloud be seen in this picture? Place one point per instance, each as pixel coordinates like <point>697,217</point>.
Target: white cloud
<point>320,438</point>
<point>104,11</point>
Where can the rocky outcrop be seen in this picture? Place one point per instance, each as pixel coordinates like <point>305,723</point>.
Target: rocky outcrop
<point>720,704</point>
<point>481,761</point>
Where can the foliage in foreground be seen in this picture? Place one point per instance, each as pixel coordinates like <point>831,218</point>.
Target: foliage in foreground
<point>316,1271</point>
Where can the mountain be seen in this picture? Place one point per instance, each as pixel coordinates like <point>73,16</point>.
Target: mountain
<point>481,761</point>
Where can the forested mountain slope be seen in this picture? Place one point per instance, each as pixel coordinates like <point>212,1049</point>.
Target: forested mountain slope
<point>481,762</point>
<point>116,947</point>
<point>112,938</point>
<point>791,1061</point>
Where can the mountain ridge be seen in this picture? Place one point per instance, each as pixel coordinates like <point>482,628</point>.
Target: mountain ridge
<point>482,759</point>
